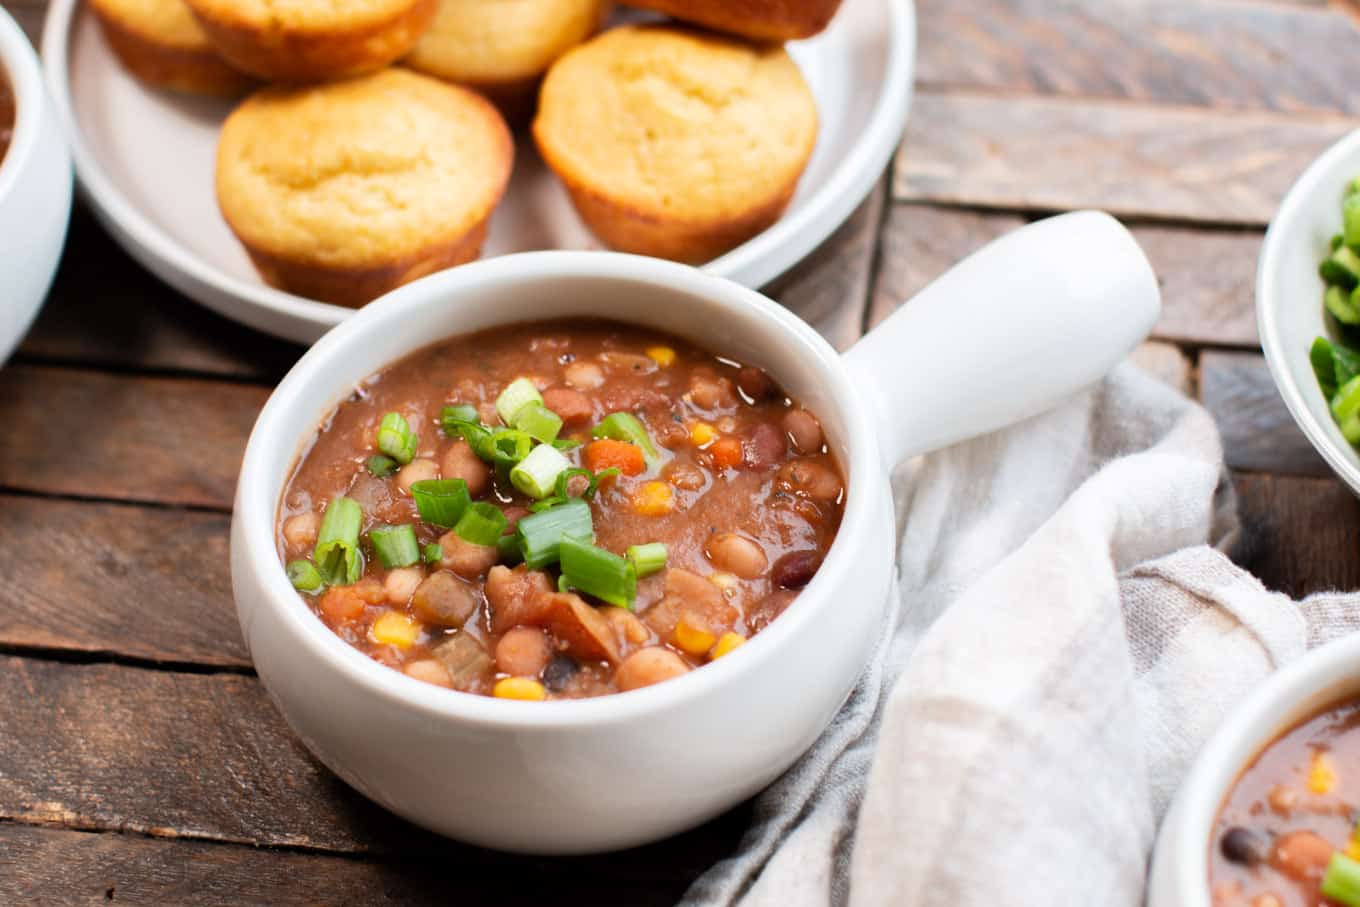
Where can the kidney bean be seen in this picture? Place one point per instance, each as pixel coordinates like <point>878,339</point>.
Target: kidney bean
<point>765,447</point>
<point>795,569</point>
<point>754,383</point>
<point>804,429</point>
<point>572,406</point>
<point>648,666</point>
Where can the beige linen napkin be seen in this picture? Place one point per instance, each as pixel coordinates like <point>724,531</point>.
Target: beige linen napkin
<point>1067,634</point>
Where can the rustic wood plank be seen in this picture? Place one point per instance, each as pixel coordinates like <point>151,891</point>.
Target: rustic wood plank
<point>1050,154</point>
<point>207,756</point>
<point>89,434</point>
<point>1207,276</point>
<point>1230,53</point>
<point>105,310</point>
<point>1298,533</point>
<point>1165,362</point>
<point>50,866</point>
<point>137,582</point>
<point>1258,431</point>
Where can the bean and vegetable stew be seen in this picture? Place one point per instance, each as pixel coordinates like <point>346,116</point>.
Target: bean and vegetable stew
<point>1287,835</point>
<point>6,115</point>
<point>555,511</point>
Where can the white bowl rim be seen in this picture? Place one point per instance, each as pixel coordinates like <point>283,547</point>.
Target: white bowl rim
<point>749,263</point>
<point>20,64</point>
<point>1217,767</point>
<point>259,516</point>
<point>1286,220</point>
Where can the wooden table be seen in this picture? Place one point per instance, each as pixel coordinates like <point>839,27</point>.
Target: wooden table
<point>141,761</point>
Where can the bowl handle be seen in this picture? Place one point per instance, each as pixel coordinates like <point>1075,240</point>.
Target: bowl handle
<point>1006,333</point>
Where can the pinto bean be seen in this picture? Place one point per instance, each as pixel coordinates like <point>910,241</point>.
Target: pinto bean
<point>416,471</point>
<point>584,376</point>
<point>516,597</point>
<point>648,666</point>
<point>572,406</point>
<point>709,391</point>
<point>804,429</point>
<point>765,447</point>
<point>737,554</point>
<point>1302,855</point>
<point>523,652</point>
<point>300,531</point>
<point>687,477</point>
<point>459,462</point>
<point>754,383</point>
<point>795,569</point>
<point>444,599</point>
<point>466,559</point>
<point>402,583</point>
<point>813,479</point>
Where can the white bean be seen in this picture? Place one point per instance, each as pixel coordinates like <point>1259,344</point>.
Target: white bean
<point>416,471</point>
<point>300,531</point>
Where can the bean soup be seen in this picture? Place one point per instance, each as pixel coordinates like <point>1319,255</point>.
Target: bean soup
<point>559,510</point>
<point>6,115</point>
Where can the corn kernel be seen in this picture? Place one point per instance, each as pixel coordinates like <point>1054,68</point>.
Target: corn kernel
<point>523,688</point>
<point>395,629</point>
<point>1353,849</point>
<point>727,643</point>
<point>654,499</point>
<point>1322,773</point>
<point>661,355</point>
<point>692,639</point>
<point>701,434</point>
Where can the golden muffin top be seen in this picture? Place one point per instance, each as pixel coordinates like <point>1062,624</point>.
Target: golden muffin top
<point>482,41</point>
<point>677,123</point>
<point>166,22</point>
<point>303,15</point>
<point>364,172</point>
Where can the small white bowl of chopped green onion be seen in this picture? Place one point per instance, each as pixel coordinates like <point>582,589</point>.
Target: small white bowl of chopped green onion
<point>1308,305</point>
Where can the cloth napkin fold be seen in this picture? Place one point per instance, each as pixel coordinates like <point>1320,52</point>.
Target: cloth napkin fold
<point>1066,633</point>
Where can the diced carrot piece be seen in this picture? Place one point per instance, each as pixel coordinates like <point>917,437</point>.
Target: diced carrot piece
<point>610,454</point>
<point>341,604</point>
<point>726,453</point>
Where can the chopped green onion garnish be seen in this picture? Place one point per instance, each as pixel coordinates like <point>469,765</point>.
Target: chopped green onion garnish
<point>481,524</point>
<point>1346,410</point>
<point>1350,219</point>
<point>565,444</point>
<point>433,553</point>
<point>396,546</point>
<point>337,554</point>
<point>506,446</point>
<point>441,501</point>
<point>599,573</point>
<point>396,439</point>
<point>1342,268</point>
<point>509,548</point>
<point>540,534</point>
<point>1342,881</point>
<point>381,466</point>
<point>451,417</point>
<point>1345,307</point>
<point>1337,241</point>
<point>626,427</point>
<point>546,504</point>
<point>541,423</point>
<point>648,559</point>
<point>517,395</point>
<point>560,490</point>
<point>305,577</point>
<point>536,475</point>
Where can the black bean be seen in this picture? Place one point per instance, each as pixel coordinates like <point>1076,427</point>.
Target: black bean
<point>1242,845</point>
<point>559,672</point>
<point>795,569</point>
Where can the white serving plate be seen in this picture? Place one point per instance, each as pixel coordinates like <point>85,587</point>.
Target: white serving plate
<point>144,159</point>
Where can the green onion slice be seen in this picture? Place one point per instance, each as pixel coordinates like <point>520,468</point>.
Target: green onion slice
<point>541,423</point>
<point>627,427</point>
<point>381,466</point>
<point>337,554</point>
<point>566,444</point>
<point>305,577</point>
<point>481,524</point>
<point>536,475</point>
<point>546,504</point>
<point>396,546</point>
<point>508,446</point>
<point>648,559</point>
<point>509,549</point>
<point>595,479</point>
<point>1342,881</point>
<point>1350,219</point>
<point>451,417</point>
<point>396,439</point>
<point>441,501</point>
<point>598,573</point>
<point>432,553</point>
<point>541,534</point>
<point>517,395</point>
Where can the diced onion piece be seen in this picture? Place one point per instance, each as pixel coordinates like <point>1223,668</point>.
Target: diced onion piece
<point>536,475</point>
<point>305,577</point>
<point>647,559</point>
<point>396,546</point>
<point>337,554</point>
<point>540,535</point>
<point>517,395</point>
<point>599,573</point>
<point>441,501</point>
<point>396,439</point>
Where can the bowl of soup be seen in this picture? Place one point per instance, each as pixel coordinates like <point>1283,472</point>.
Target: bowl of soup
<point>35,186</point>
<point>566,552</point>
<point>1268,815</point>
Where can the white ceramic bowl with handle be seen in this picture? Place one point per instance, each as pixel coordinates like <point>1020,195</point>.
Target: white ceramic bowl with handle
<point>1007,333</point>
<point>35,191</point>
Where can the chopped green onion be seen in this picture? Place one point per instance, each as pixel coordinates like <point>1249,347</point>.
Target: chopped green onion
<point>566,444</point>
<point>305,577</point>
<point>441,501</point>
<point>1350,219</point>
<point>451,417</point>
<point>1337,241</point>
<point>507,446</point>
<point>546,504</point>
<point>1345,307</point>
<point>541,534</point>
<point>1342,881</point>
<point>509,549</point>
<point>481,524</point>
<point>517,395</point>
<point>381,466</point>
<point>396,546</point>
<point>337,553</point>
<point>541,423</point>
<point>1342,268</point>
<point>595,479</point>
<point>598,573</point>
<point>626,427</point>
<point>536,475</point>
<point>396,439</point>
<point>433,553</point>
<point>1346,410</point>
<point>648,559</point>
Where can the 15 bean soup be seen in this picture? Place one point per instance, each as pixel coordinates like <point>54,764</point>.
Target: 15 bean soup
<point>6,115</point>
<point>559,510</point>
<point>1286,835</point>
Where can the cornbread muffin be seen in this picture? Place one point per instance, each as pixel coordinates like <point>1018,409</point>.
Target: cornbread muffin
<point>502,47</point>
<point>760,20</point>
<point>341,192</point>
<point>676,143</point>
<point>312,40</point>
<point>160,42</point>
